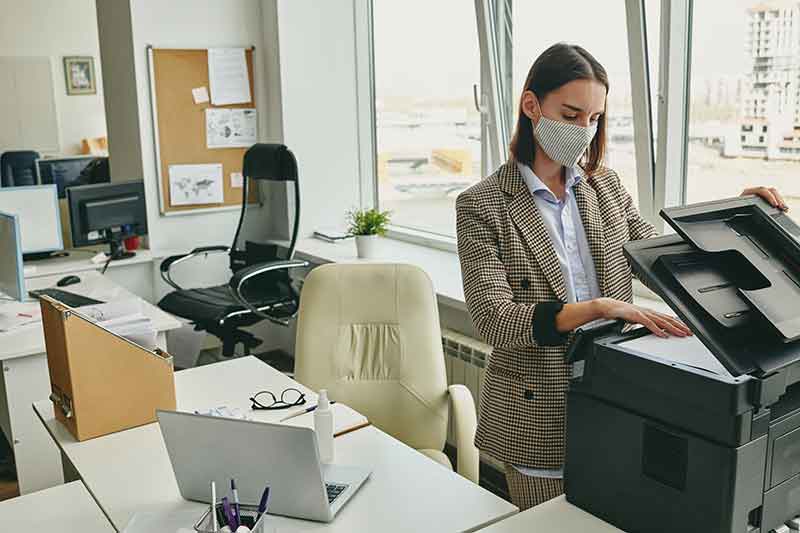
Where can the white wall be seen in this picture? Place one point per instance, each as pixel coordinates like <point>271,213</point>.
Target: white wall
<point>56,29</point>
<point>319,102</point>
<point>181,24</point>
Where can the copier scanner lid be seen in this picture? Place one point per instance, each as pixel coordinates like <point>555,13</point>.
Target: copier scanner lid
<point>732,274</point>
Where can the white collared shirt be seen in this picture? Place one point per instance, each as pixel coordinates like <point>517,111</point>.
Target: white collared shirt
<point>563,222</point>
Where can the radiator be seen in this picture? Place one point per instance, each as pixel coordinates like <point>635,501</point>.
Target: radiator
<point>465,361</point>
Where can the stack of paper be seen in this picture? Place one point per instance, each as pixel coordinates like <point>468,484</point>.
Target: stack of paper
<point>22,315</point>
<point>124,318</point>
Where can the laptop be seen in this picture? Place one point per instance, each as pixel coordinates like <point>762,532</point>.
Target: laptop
<point>209,448</point>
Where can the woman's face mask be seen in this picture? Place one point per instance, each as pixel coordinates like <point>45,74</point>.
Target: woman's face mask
<point>563,142</point>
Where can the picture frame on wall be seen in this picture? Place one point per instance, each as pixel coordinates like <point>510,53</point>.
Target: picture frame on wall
<point>79,75</point>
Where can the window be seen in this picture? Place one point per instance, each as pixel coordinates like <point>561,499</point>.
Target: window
<point>432,142</point>
<point>428,130</point>
<point>753,90</point>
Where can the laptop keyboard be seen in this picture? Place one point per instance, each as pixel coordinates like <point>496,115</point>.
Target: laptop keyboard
<point>334,490</point>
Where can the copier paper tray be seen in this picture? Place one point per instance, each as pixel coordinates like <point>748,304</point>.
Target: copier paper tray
<point>733,278</point>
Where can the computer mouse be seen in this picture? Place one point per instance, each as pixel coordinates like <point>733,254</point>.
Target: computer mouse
<point>66,281</point>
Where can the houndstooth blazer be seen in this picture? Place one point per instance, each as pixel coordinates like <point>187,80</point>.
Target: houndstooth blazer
<point>509,265</point>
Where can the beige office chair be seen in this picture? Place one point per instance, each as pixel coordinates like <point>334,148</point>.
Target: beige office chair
<point>369,333</point>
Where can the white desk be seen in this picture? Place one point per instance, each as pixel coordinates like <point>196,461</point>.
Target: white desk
<point>555,516</point>
<point>135,274</point>
<point>130,471</point>
<point>26,379</point>
<point>66,508</point>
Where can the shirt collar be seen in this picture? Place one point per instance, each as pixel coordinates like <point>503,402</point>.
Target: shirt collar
<point>538,188</point>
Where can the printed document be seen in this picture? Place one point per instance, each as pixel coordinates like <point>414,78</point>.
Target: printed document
<point>124,318</point>
<point>230,128</point>
<point>196,184</point>
<point>229,79</point>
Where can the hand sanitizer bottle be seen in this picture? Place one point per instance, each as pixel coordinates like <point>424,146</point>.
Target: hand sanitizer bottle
<point>323,425</point>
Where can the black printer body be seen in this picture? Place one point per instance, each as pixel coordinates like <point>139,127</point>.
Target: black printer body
<point>703,433</point>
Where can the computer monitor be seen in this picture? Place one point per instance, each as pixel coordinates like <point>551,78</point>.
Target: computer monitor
<point>12,276</point>
<point>68,171</point>
<point>39,218</point>
<point>107,213</point>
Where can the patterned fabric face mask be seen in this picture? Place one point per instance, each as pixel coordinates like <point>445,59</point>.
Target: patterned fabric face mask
<point>563,142</point>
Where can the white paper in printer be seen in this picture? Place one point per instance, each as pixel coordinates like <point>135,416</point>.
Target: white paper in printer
<point>688,351</point>
<point>124,318</point>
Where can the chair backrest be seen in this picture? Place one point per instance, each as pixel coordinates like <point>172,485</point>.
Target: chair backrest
<point>18,168</point>
<point>263,164</point>
<point>370,334</point>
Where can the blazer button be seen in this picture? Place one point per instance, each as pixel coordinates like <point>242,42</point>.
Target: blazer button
<point>526,283</point>
<point>529,395</point>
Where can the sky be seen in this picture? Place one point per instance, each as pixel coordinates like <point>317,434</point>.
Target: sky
<point>430,48</point>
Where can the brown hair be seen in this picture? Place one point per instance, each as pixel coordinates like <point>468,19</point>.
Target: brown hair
<point>557,66</point>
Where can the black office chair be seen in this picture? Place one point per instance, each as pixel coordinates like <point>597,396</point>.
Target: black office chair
<point>18,168</point>
<point>261,287</point>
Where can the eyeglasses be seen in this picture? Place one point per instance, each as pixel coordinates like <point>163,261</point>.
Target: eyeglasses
<point>266,401</point>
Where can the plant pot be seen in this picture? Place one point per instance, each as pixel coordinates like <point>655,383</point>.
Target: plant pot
<point>367,246</point>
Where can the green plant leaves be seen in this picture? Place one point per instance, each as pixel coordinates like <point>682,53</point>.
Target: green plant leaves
<point>367,221</point>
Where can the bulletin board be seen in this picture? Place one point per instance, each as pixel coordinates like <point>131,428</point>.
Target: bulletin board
<point>179,125</point>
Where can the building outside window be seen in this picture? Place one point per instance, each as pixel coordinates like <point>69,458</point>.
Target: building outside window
<point>744,123</point>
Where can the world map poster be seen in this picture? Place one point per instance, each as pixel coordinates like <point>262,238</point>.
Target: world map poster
<point>196,184</point>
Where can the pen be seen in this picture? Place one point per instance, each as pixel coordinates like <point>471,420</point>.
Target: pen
<point>26,315</point>
<point>263,505</point>
<point>302,412</point>
<point>236,507</point>
<point>214,525</point>
<point>226,507</point>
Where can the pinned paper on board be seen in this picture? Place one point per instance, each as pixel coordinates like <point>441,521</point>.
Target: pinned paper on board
<point>229,79</point>
<point>237,180</point>
<point>230,128</point>
<point>196,184</point>
<point>200,95</point>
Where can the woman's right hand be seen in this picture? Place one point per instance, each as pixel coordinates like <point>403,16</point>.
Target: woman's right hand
<point>659,323</point>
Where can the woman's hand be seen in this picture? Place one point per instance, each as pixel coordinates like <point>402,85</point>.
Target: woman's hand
<point>770,194</point>
<point>659,323</point>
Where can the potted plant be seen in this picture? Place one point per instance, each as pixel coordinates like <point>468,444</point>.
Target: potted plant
<point>367,225</point>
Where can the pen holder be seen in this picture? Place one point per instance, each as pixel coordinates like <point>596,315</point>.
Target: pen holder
<point>249,514</point>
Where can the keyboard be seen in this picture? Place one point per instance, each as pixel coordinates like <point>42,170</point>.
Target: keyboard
<point>67,298</point>
<point>334,490</point>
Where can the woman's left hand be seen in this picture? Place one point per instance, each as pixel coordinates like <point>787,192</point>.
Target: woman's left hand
<point>770,194</point>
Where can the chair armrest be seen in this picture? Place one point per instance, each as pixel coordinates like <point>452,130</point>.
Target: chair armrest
<point>466,423</point>
<point>169,262</point>
<point>246,274</point>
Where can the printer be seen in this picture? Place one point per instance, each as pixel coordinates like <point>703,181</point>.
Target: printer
<point>699,433</point>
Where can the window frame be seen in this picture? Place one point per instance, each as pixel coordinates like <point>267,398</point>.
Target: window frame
<point>674,82</point>
<point>642,105</point>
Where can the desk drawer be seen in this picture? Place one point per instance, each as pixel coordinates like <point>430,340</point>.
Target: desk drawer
<point>785,457</point>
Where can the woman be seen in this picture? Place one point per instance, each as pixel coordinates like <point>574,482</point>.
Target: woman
<point>540,243</point>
